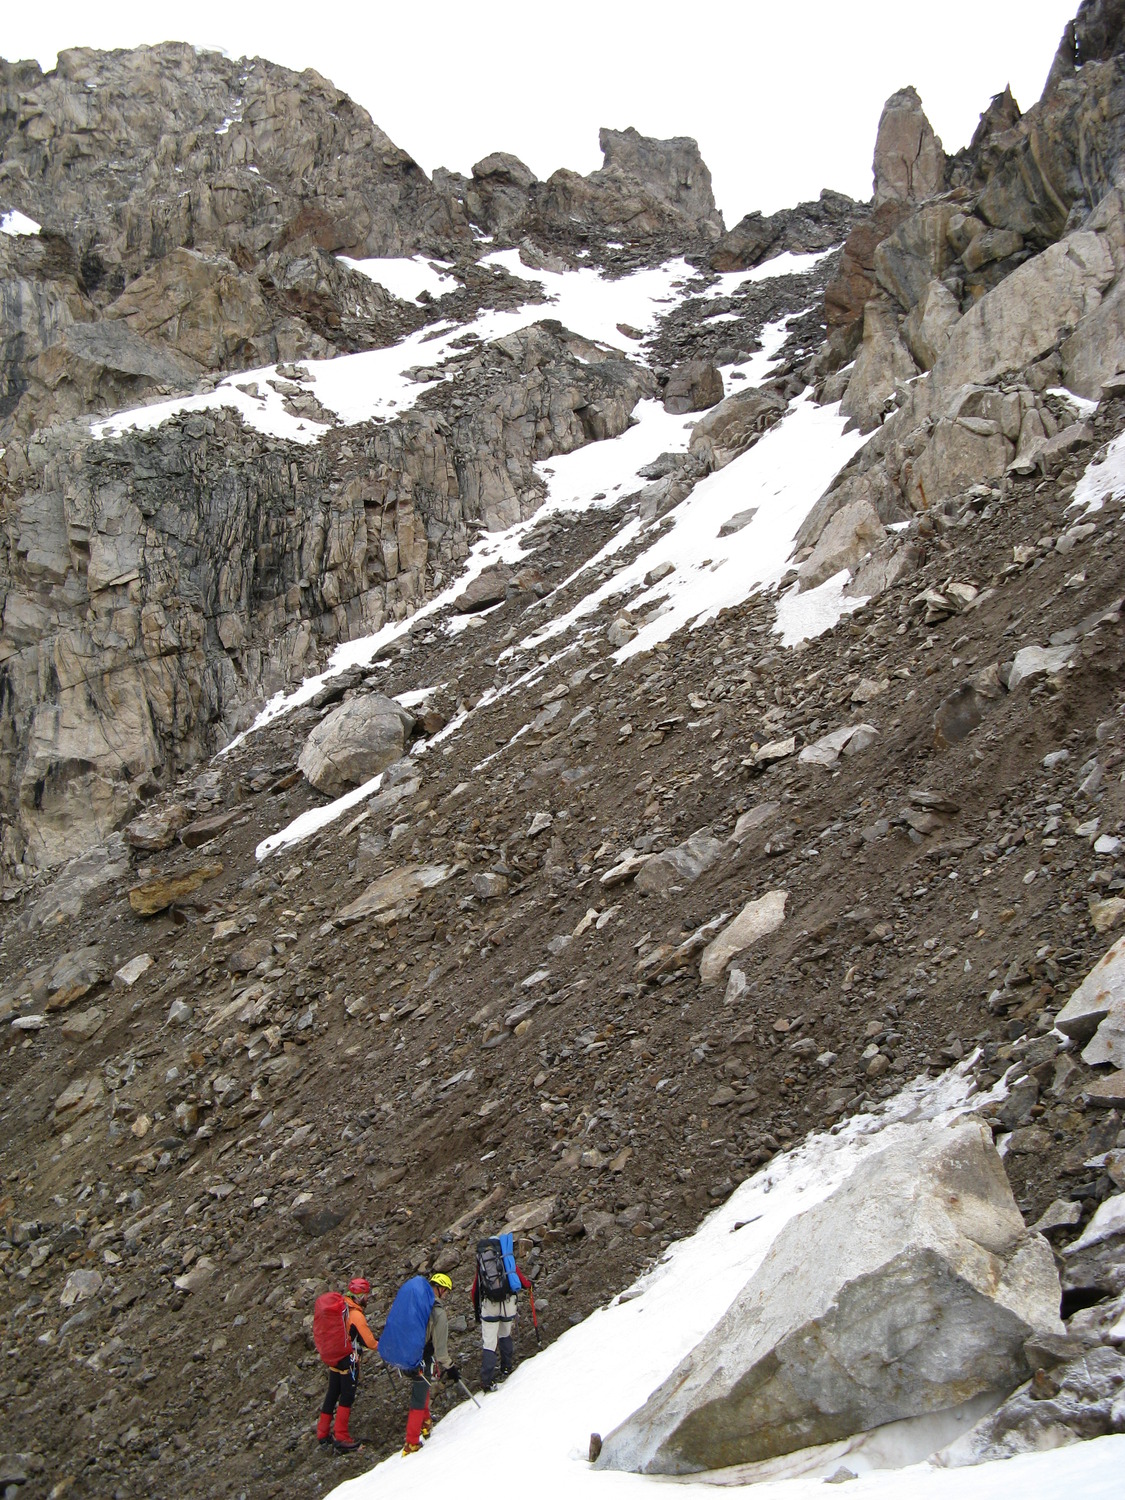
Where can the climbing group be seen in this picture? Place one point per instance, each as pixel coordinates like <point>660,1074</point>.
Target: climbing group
<point>415,1340</point>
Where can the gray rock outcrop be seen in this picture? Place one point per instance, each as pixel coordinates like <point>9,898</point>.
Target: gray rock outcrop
<point>909,163</point>
<point>209,153</point>
<point>693,387</point>
<point>644,188</point>
<point>910,1290</point>
<point>735,424</point>
<point>882,365</point>
<point>757,237</point>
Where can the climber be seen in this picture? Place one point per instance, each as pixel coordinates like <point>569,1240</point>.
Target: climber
<point>340,1330</point>
<point>415,1338</point>
<point>495,1287</point>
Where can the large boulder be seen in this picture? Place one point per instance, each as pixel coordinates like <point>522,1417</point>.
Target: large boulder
<point>497,196</point>
<point>394,892</point>
<point>1095,1013</point>
<point>909,163</point>
<point>644,187</point>
<point>909,1290</point>
<point>735,424</point>
<point>693,386</point>
<point>670,871</point>
<point>672,171</point>
<point>848,537</point>
<point>355,742</point>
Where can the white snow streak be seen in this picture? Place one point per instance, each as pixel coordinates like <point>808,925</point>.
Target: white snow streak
<point>782,476</point>
<point>316,818</point>
<point>802,617</point>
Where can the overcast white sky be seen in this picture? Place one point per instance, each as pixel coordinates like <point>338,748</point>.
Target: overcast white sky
<point>783,97</point>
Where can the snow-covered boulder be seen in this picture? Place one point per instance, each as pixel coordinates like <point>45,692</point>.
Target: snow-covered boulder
<point>910,1290</point>
<point>355,742</point>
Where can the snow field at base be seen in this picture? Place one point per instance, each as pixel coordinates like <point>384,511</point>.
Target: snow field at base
<point>531,1436</point>
<point>13,223</point>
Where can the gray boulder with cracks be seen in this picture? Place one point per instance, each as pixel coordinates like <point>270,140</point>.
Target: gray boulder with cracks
<point>909,1290</point>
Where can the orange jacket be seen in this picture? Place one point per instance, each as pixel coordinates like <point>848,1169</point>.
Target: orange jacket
<point>358,1331</point>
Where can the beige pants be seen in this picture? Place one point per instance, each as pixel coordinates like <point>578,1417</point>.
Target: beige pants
<point>496,1319</point>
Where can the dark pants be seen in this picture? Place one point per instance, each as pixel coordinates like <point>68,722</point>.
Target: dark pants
<point>341,1390</point>
<point>506,1350</point>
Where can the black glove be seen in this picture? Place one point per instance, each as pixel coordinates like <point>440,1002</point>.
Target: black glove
<point>453,1374</point>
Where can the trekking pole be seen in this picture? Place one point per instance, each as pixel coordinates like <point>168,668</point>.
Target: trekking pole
<point>534,1318</point>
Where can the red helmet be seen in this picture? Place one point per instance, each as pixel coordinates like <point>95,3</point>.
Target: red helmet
<point>359,1286</point>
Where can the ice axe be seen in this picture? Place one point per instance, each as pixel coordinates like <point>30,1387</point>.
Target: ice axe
<point>459,1382</point>
<point>469,1393</point>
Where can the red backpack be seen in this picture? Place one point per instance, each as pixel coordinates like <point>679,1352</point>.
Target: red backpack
<point>330,1328</point>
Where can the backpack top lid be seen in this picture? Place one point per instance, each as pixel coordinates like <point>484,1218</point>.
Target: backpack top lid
<point>403,1340</point>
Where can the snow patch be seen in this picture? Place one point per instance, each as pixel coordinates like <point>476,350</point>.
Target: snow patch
<point>1104,480</point>
<point>782,476</point>
<point>13,222</point>
<point>406,277</point>
<point>802,617</point>
<point>316,818</point>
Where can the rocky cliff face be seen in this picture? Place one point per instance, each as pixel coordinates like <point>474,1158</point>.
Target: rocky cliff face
<point>203,202</point>
<point>164,583</point>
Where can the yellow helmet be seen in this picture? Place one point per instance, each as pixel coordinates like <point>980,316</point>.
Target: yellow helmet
<point>441,1279</point>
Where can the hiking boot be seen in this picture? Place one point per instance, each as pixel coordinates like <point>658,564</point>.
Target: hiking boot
<point>427,1427</point>
<point>324,1429</point>
<point>342,1439</point>
<point>411,1448</point>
